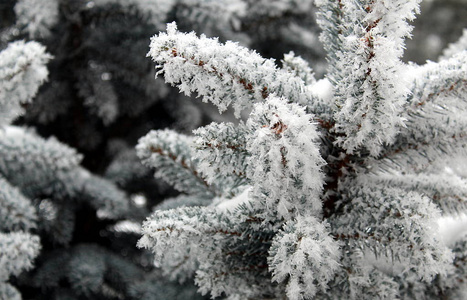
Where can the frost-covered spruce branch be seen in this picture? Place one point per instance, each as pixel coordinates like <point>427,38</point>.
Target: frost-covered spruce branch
<point>433,108</point>
<point>44,168</point>
<point>346,212</point>
<point>226,144</point>
<point>22,71</point>
<point>18,251</point>
<point>435,124</point>
<point>456,47</point>
<point>170,154</point>
<point>226,75</point>
<point>365,43</point>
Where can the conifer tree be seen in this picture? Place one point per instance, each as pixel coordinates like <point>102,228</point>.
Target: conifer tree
<point>320,189</point>
<point>330,188</point>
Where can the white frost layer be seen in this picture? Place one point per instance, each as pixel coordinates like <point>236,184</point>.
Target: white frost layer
<point>452,228</point>
<point>231,204</point>
<point>323,90</point>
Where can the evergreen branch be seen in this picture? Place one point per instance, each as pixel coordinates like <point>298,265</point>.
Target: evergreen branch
<point>99,95</point>
<point>433,110</point>
<point>90,270</point>
<point>448,192</point>
<point>386,222</point>
<point>454,87</point>
<point>222,73</point>
<point>48,168</point>
<point>29,161</point>
<point>362,277</point>
<point>22,71</point>
<point>224,17</point>
<point>460,260</point>
<point>170,154</point>
<point>8,291</point>
<point>215,233</point>
<point>222,275</point>
<point>432,80</point>
<point>456,47</point>
<point>330,19</point>
<point>18,251</point>
<point>449,286</point>
<point>8,76</point>
<point>103,195</point>
<point>183,201</point>
<point>239,279</point>
<point>16,211</point>
<point>182,162</point>
<point>299,67</point>
<point>236,79</point>
<point>417,158</point>
<point>285,163</point>
<point>369,95</point>
<point>175,230</point>
<point>185,223</point>
<point>57,220</point>
<point>221,151</point>
<point>169,220</point>
<point>304,255</point>
<point>230,17</point>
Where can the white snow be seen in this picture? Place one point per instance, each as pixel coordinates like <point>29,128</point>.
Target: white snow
<point>231,204</point>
